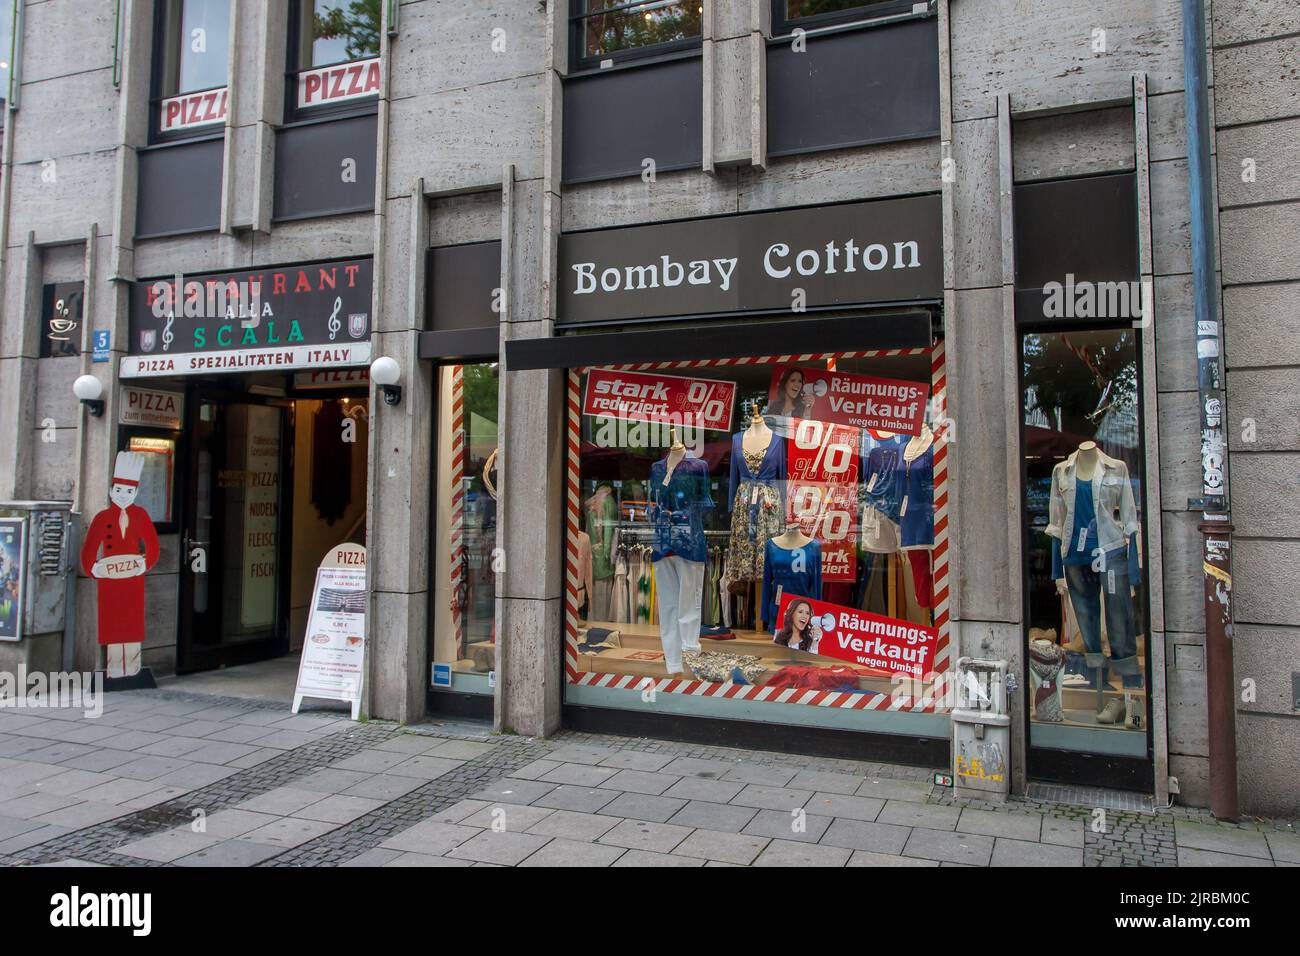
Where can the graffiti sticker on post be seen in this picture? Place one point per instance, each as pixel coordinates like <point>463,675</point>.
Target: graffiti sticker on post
<point>658,398</point>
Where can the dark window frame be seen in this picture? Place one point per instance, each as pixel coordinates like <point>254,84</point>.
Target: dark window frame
<point>578,63</point>
<point>302,115</point>
<point>783,26</point>
<point>158,80</point>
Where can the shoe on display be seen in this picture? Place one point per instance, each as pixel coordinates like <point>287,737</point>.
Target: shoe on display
<point>1112,713</point>
<point>1075,680</point>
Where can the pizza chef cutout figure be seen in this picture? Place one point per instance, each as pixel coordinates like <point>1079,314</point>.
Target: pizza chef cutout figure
<point>120,546</point>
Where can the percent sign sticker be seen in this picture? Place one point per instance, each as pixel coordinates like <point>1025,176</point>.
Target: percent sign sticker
<point>822,459</point>
<point>655,397</point>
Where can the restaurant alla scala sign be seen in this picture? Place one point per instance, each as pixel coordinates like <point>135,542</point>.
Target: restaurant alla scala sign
<point>273,319</point>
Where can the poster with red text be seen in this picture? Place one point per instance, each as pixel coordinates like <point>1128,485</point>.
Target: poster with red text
<point>654,397</point>
<point>883,644</point>
<point>823,471</point>
<point>846,398</point>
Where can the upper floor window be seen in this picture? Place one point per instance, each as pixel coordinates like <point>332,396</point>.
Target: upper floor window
<point>335,52</point>
<point>605,31</point>
<point>192,53</point>
<point>788,15</point>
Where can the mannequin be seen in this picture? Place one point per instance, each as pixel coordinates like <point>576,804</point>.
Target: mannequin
<point>792,564</point>
<point>1093,521</point>
<point>680,493</point>
<point>758,469</point>
<point>915,493</point>
<point>601,514</point>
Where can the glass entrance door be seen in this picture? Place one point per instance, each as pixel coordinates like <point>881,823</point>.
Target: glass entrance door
<point>233,536</point>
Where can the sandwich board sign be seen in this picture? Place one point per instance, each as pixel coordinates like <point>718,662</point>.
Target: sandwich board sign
<point>334,650</point>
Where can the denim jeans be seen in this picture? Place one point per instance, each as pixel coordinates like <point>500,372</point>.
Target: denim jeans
<point>1085,586</point>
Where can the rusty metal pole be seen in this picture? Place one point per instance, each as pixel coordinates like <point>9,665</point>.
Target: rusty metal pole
<point>1216,515</point>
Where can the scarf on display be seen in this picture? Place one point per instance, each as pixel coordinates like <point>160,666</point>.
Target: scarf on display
<point>721,668</point>
<point>1045,661</point>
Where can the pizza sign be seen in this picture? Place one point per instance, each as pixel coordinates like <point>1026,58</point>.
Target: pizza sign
<point>338,83</point>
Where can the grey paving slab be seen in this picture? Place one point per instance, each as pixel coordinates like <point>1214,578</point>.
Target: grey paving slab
<point>638,760</point>
<point>930,816</point>
<point>131,740</point>
<point>35,805</point>
<point>640,781</point>
<point>726,847</point>
<point>42,834</point>
<point>1016,826</point>
<point>167,846</point>
<point>643,806</point>
<point>562,852</point>
<point>804,828</point>
<point>231,823</point>
<point>71,783</point>
<point>944,846</point>
<point>424,767</point>
<point>195,775</point>
<point>506,848</point>
<point>422,859</point>
<point>460,749</point>
<point>407,744</point>
<point>579,774</point>
<point>510,790</point>
<point>507,816</point>
<point>103,760</point>
<point>260,755</point>
<point>574,826</point>
<point>1285,847</point>
<point>435,839</point>
<point>155,723</point>
<point>153,798</point>
<point>706,767</point>
<point>725,818</point>
<point>281,801</point>
<point>237,733</point>
<point>760,774</point>
<point>290,740</point>
<point>771,798</point>
<point>700,788</point>
<point>826,782</point>
<point>383,787</point>
<point>1012,852</point>
<point>459,811</point>
<point>220,752</point>
<point>234,853</point>
<point>644,835</point>
<point>582,799</point>
<point>1220,839</point>
<point>195,728</point>
<point>337,808</point>
<point>12,826</point>
<point>887,789</point>
<point>536,769</point>
<point>375,856</point>
<point>571,753</point>
<point>868,858</point>
<point>288,832</point>
<point>59,752</point>
<point>648,858</point>
<point>331,780</point>
<point>1188,856</point>
<point>84,814</point>
<point>1062,832</point>
<point>151,768</point>
<point>23,773</point>
<point>171,747</point>
<point>789,853</point>
<point>881,838</point>
<point>845,805</point>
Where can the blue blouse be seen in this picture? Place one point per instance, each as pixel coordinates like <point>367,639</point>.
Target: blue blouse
<point>914,484</point>
<point>770,472</point>
<point>797,572</point>
<point>1085,516</point>
<point>879,486</point>
<point>677,509</point>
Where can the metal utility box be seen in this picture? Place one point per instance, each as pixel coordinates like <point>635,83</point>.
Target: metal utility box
<point>981,730</point>
<point>36,573</point>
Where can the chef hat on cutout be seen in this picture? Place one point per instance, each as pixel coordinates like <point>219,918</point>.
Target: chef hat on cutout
<point>127,468</point>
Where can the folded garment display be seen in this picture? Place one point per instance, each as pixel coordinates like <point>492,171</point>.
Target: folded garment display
<point>816,678</point>
<point>599,635</point>
<point>717,633</point>
<point>596,648</point>
<point>720,668</point>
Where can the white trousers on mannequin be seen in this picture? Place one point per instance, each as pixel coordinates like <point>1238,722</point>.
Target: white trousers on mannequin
<point>679,587</point>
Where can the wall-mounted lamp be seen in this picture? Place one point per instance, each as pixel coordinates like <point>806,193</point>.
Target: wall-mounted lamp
<point>385,372</point>
<point>90,391</point>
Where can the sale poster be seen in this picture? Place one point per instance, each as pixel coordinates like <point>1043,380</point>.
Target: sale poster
<point>823,471</point>
<point>333,654</point>
<point>12,577</point>
<point>882,644</point>
<point>661,399</point>
<point>847,398</point>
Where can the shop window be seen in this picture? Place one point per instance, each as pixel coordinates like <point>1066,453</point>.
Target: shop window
<point>465,529</point>
<point>761,538</point>
<point>193,48</point>
<point>334,56</point>
<point>812,14</point>
<point>1086,584</point>
<point>607,31</point>
<point>61,304</point>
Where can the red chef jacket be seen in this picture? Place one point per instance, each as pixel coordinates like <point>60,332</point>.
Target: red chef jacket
<point>121,601</point>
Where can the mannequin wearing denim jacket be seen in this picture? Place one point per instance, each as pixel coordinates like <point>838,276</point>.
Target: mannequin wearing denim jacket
<point>679,496</point>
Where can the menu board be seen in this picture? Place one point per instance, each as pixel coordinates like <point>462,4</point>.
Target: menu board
<point>261,517</point>
<point>333,655</point>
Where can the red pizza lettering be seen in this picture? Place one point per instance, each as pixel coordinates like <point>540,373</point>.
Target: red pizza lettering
<point>355,72</point>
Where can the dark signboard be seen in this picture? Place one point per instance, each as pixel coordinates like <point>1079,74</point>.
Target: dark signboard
<point>274,319</point>
<point>885,251</point>
<point>61,319</point>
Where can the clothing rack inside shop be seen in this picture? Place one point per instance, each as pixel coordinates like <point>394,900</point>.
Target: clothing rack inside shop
<point>643,530</point>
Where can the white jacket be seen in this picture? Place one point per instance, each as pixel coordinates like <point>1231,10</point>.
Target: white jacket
<point>1112,496</point>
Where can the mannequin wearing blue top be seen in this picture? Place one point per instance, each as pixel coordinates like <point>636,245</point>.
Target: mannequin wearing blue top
<point>792,565</point>
<point>758,466</point>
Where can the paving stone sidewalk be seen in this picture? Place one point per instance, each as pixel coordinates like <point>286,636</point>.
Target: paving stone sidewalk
<point>165,778</point>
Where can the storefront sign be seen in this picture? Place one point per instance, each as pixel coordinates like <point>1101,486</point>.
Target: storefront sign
<point>332,378</point>
<point>13,577</point>
<point>333,654</point>
<point>822,494</point>
<point>261,533</point>
<point>310,316</point>
<point>151,408</point>
<point>191,110</point>
<point>789,260</point>
<point>862,401</point>
<point>868,640</point>
<point>655,397</point>
<point>338,83</point>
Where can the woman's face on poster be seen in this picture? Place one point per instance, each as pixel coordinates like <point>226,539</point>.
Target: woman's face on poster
<point>794,386</point>
<point>801,615</point>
